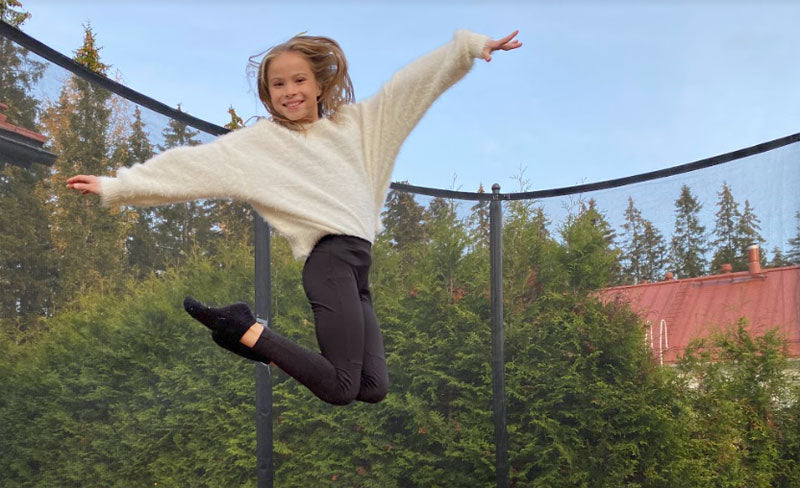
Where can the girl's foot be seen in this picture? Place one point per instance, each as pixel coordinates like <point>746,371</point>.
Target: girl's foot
<point>227,324</point>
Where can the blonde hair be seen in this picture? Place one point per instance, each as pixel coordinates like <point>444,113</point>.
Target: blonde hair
<point>330,70</point>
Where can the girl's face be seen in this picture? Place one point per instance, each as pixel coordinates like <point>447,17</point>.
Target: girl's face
<point>293,89</point>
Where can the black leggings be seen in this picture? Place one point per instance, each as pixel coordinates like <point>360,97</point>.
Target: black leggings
<point>352,365</point>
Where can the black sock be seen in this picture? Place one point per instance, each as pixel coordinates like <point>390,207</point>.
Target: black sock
<point>227,324</point>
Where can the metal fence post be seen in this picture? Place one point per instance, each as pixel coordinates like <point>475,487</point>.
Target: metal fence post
<point>264,465</point>
<point>498,376</point>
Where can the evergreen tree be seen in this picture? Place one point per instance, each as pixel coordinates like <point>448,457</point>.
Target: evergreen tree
<point>479,222</point>
<point>794,243</point>
<point>589,255</point>
<point>778,259</point>
<point>747,231</point>
<point>643,247</point>
<point>89,242</point>
<point>402,219</point>
<point>727,241</point>
<point>739,384</point>
<point>655,252</point>
<point>236,122</point>
<point>531,257</point>
<point>234,219</point>
<point>142,251</point>
<point>26,267</point>
<point>18,71</point>
<point>689,243</point>
<point>181,226</point>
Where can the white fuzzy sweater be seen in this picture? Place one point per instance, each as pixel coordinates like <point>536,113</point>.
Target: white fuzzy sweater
<point>332,179</point>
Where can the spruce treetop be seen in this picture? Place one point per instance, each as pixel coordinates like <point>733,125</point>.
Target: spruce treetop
<point>236,122</point>
<point>89,55</point>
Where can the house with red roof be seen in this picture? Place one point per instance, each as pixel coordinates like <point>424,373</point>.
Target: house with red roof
<point>21,146</point>
<point>677,311</point>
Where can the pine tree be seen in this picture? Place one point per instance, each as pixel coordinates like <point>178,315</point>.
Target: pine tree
<point>727,241</point>
<point>747,231</point>
<point>655,252</point>
<point>589,255</point>
<point>89,242</point>
<point>778,259</point>
<point>403,219</point>
<point>531,266</point>
<point>479,222</point>
<point>644,247</point>
<point>689,243</point>
<point>447,241</point>
<point>26,268</point>
<point>236,122</point>
<point>181,226</point>
<point>18,72</point>
<point>235,219</point>
<point>794,250</point>
<point>140,244</point>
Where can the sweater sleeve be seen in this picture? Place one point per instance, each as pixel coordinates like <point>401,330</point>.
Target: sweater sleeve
<point>212,170</point>
<point>390,115</point>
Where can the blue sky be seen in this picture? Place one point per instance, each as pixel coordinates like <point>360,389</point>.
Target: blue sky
<point>599,90</point>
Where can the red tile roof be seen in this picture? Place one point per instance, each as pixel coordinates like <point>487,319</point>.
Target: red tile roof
<point>694,307</point>
<point>28,134</point>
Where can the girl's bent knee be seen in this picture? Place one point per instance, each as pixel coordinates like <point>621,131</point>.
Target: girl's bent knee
<point>340,400</point>
<point>373,395</point>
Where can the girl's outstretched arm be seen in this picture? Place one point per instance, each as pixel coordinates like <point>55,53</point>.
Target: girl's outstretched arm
<point>212,170</point>
<point>389,116</point>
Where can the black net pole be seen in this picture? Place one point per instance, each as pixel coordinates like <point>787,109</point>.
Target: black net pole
<point>263,379</point>
<point>498,376</point>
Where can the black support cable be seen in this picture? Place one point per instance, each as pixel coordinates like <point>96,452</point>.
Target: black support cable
<point>55,57</point>
<point>602,185</point>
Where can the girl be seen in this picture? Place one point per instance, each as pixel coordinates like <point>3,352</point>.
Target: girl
<point>318,172</point>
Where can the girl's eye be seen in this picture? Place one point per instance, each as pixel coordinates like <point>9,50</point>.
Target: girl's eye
<point>277,84</point>
<point>300,80</point>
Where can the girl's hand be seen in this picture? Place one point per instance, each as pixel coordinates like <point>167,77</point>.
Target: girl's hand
<point>85,184</point>
<point>505,44</point>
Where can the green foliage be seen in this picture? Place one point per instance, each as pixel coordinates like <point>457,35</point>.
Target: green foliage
<point>778,259</point>
<point>587,406</point>
<point>402,219</point>
<point>737,392</point>
<point>588,254</point>
<point>128,390</point>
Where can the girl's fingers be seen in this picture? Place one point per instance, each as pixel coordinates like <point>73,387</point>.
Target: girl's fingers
<point>504,44</point>
<point>510,45</point>
<point>508,37</point>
